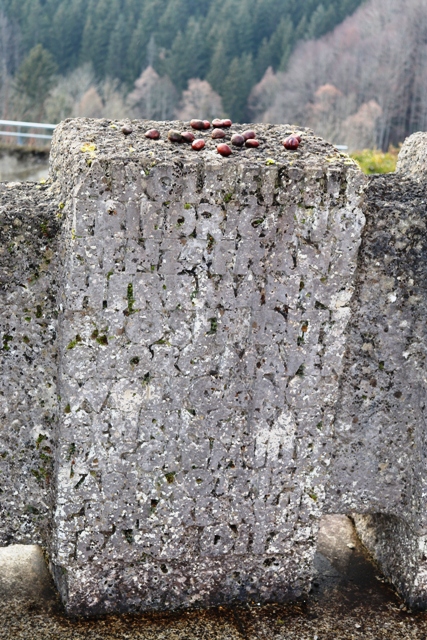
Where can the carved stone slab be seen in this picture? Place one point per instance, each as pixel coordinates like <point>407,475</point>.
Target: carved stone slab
<point>203,308</point>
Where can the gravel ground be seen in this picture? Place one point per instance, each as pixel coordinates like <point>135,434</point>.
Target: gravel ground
<point>349,600</point>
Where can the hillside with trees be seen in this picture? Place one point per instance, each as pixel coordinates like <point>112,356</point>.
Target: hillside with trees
<point>364,85</point>
<point>150,58</point>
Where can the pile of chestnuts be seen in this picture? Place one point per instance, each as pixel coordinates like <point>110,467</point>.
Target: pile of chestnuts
<point>246,138</point>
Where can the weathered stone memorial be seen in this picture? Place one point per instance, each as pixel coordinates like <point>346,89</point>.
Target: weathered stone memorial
<point>201,355</point>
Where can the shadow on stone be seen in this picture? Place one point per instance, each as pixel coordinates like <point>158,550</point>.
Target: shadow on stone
<point>24,577</point>
<point>23,164</point>
<point>343,565</point>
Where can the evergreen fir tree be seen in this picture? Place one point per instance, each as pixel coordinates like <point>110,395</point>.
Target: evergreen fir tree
<point>137,50</point>
<point>65,35</point>
<point>263,58</point>
<point>107,13</point>
<point>119,39</point>
<point>35,78</point>
<point>218,67</point>
<point>237,86</point>
<point>281,44</point>
<point>188,56</point>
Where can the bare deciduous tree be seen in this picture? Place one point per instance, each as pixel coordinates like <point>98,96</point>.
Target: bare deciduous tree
<point>200,101</point>
<point>360,129</point>
<point>115,106</point>
<point>78,94</point>
<point>66,95</point>
<point>91,105</point>
<point>153,97</point>
<point>325,114</point>
<point>262,94</point>
<point>376,59</point>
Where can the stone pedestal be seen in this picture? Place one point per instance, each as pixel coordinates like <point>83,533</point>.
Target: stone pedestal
<point>203,308</point>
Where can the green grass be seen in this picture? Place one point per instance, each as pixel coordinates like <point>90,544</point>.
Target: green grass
<point>374,161</point>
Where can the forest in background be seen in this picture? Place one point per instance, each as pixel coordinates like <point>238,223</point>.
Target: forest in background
<point>83,57</point>
<point>353,70</point>
<point>365,84</point>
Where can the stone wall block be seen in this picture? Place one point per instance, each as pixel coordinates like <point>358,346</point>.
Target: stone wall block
<point>380,469</point>
<point>199,333</point>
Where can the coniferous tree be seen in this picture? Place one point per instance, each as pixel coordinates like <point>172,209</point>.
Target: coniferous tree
<point>114,67</point>
<point>244,27</point>
<point>281,44</point>
<point>137,55</point>
<point>237,86</point>
<point>34,79</point>
<point>218,67</point>
<point>174,18</point>
<point>34,27</point>
<point>151,51</point>
<point>97,38</point>
<point>263,58</point>
<point>66,34</point>
<point>188,56</point>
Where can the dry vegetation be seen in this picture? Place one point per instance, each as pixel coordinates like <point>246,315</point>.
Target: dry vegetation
<point>364,85</point>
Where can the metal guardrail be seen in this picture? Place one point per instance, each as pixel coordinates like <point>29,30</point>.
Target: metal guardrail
<point>26,125</point>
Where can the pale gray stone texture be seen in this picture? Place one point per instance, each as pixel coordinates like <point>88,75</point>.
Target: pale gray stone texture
<point>201,355</point>
<point>380,430</point>
<point>28,352</point>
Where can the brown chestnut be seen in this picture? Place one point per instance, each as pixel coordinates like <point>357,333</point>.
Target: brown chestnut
<point>237,140</point>
<point>206,124</point>
<point>252,143</point>
<point>249,134</point>
<point>127,130</point>
<point>291,143</point>
<point>217,123</point>
<point>188,136</point>
<point>197,145</point>
<point>227,122</point>
<point>224,150</point>
<point>153,134</point>
<point>218,133</point>
<point>197,124</point>
<point>175,136</point>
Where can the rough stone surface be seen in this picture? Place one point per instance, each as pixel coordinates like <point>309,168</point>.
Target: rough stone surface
<point>28,397</point>
<point>380,428</point>
<point>205,362</point>
<point>380,431</point>
<point>412,160</point>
